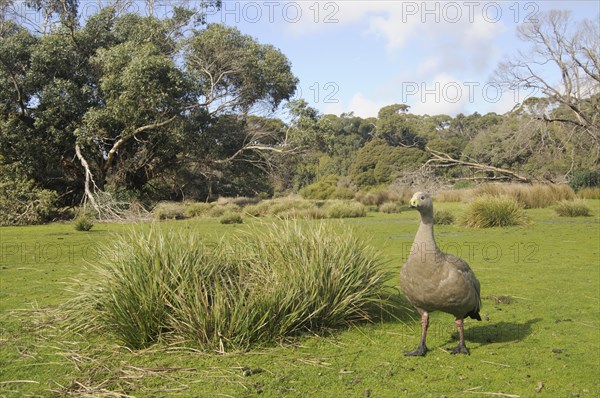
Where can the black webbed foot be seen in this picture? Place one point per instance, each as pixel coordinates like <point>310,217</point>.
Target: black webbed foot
<point>419,352</point>
<point>460,349</point>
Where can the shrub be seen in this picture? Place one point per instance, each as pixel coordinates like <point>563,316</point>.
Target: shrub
<point>169,211</point>
<point>575,208</point>
<point>390,207</point>
<point>21,201</point>
<point>342,193</point>
<point>585,179</point>
<point>320,190</point>
<point>231,218</point>
<point>443,217</point>
<point>84,221</point>
<point>345,209</point>
<point>494,211</point>
<point>272,283</point>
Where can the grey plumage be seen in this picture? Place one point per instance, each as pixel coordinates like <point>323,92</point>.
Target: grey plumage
<point>435,281</point>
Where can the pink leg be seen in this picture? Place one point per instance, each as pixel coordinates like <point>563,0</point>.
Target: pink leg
<point>461,348</point>
<point>422,348</point>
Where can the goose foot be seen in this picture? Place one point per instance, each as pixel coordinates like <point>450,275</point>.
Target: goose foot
<point>419,352</point>
<point>460,349</point>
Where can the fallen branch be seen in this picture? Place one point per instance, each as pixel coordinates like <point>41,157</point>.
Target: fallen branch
<point>441,159</point>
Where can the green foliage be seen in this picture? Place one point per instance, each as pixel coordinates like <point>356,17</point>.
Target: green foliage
<point>576,208</point>
<point>275,282</point>
<point>585,179</point>
<point>84,221</point>
<point>443,217</point>
<point>231,217</point>
<point>21,201</point>
<point>494,211</point>
<point>379,163</point>
<point>320,190</point>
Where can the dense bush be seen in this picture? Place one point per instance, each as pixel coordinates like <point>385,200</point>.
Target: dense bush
<point>320,190</point>
<point>274,282</point>
<point>585,179</point>
<point>494,211</point>
<point>575,208</point>
<point>21,201</point>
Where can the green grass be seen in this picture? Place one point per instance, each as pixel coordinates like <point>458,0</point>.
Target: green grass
<point>540,288</point>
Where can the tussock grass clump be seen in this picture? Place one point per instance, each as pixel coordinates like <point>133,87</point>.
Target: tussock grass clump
<point>218,211</point>
<point>589,193</point>
<point>376,198</point>
<point>530,196</point>
<point>443,217</point>
<point>576,208</point>
<point>494,211</point>
<point>345,209</point>
<point>169,211</point>
<point>197,209</point>
<point>276,281</point>
<point>454,195</point>
<point>231,218</point>
<point>390,207</point>
<point>84,221</point>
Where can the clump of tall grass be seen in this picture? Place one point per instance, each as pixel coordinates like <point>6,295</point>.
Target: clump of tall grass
<point>197,209</point>
<point>218,211</point>
<point>231,218</point>
<point>589,193</point>
<point>84,221</point>
<point>576,208</point>
<point>454,195</point>
<point>376,198</point>
<point>530,196</point>
<point>274,282</point>
<point>169,211</point>
<point>494,211</point>
<point>390,207</point>
<point>443,217</point>
<point>345,209</point>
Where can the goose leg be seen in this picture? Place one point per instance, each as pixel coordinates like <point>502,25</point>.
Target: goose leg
<point>461,348</point>
<point>422,348</point>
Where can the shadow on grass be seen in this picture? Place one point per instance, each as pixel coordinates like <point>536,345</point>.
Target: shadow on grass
<point>499,332</point>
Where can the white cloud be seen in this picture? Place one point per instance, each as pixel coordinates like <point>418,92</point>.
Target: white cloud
<point>360,104</point>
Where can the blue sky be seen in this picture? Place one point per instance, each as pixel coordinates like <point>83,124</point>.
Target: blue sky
<point>359,55</point>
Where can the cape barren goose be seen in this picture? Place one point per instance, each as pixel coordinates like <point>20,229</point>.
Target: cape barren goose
<point>435,281</point>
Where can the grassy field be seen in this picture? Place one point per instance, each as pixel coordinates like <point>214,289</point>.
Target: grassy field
<point>540,335</point>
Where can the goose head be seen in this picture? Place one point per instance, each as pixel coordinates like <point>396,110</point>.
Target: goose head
<point>422,202</point>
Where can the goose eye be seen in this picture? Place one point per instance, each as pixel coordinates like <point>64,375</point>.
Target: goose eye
<point>422,197</point>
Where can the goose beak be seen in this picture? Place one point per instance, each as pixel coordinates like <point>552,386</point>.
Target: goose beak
<point>413,203</point>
